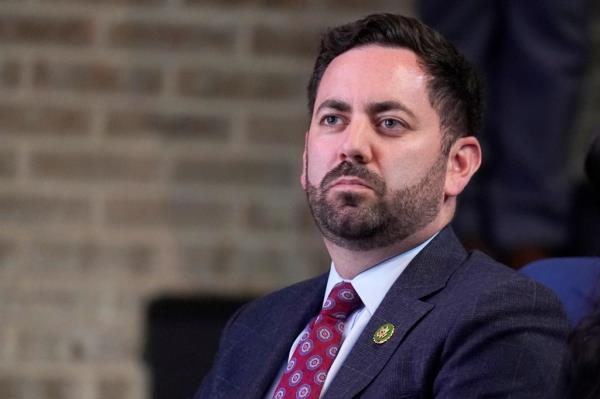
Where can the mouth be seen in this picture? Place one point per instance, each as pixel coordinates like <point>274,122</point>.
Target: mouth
<point>351,183</point>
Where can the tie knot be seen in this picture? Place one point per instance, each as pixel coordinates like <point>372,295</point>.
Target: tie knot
<point>342,301</point>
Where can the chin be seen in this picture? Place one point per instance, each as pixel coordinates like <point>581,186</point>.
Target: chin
<point>350,199</point>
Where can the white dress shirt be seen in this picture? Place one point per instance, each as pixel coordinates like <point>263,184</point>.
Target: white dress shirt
<point>371,285</point>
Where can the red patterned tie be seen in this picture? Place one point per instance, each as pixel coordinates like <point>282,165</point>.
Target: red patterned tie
<point>318,346</point>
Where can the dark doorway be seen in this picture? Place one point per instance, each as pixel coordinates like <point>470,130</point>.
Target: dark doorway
<point>182,339</point>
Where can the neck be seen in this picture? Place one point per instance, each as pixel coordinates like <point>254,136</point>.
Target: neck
<point>350,263</point>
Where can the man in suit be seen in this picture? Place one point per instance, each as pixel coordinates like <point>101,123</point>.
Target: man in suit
<point>405,311</point>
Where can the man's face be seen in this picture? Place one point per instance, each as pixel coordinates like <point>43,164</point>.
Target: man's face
<point>374,173</point>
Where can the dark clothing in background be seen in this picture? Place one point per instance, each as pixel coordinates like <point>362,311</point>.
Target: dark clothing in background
<point>532,56</point>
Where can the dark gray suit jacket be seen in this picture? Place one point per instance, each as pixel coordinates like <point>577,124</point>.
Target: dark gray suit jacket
<point>466,327</point>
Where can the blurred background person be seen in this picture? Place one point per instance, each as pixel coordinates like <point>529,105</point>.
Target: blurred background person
<point>584,341</point>
<point>532,54</point>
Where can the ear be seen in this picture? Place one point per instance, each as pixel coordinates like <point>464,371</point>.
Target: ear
<point>463,161</point>
<point>304,163</point>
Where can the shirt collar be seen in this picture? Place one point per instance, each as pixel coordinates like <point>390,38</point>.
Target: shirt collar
<point>373,284</point>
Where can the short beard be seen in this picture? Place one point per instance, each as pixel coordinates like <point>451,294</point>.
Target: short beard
<point>349,222</point>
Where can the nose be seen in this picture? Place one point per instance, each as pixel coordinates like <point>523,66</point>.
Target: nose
<point>356,146</point>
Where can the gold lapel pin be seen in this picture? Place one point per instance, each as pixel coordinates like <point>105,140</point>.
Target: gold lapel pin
<point>384,333</point>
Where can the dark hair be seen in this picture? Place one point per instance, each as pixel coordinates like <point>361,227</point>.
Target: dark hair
<point>454,87</point>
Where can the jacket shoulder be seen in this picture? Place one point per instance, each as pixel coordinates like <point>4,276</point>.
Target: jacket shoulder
<point>282,298</point>
<point>484,274</point>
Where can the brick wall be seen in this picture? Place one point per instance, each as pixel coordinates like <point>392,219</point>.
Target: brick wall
<point>148,147</point>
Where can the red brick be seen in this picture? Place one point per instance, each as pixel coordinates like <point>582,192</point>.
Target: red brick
<point>8,256</point>
<point>195,261</point>
<point>59,300</point>
<point>108,345</point>
<point>291,4</point>
<point>97,77</point>
<point>370,6</point>
<point>168,127</point>
<point>30,208</point>
<point>296,41</point>
<point>29,118</point>
<point>271,215</point>
<point>40,345</point>
<point>308,5</point>
<point>8,163</point>
<point>258,265</point>
<point>95,338</point>
<point>221,265</point>
<point>37,29</point>
<point>58,388</point>
<point>229,84</point>
<point>144,3</point>
<point>10,74</point>
<point>316,260</point>
<point>283,130</point>
<point>166,36</point>
<point>115,388</point>
<point>13,386</point>
<point>234,172</point>
<point>166,211</point>
<point>60,259</point>
<point>93,166</point>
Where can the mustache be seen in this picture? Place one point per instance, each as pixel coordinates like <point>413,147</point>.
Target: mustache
<point>346,168</point>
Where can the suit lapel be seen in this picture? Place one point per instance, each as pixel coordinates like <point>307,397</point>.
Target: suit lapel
<point>274,336</point>
<point>403,306</point>
<point>367,358</point>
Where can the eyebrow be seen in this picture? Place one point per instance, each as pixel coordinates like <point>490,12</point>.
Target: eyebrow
<point>372,108</point>
<point>384,106</point>
<point>338,105</point>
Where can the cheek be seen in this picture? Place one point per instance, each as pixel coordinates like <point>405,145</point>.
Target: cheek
<point>399,179</point>
<point>407,170</point>
<point>403,169</point>
<point>319,161</point>
<point>315,169</point>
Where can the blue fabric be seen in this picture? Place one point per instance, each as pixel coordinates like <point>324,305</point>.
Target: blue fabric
<point>576,282</point>
<point>465,327</point>
<point>532,53</point>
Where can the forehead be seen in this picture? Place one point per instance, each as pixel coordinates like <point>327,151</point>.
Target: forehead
<point>374,73</point>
